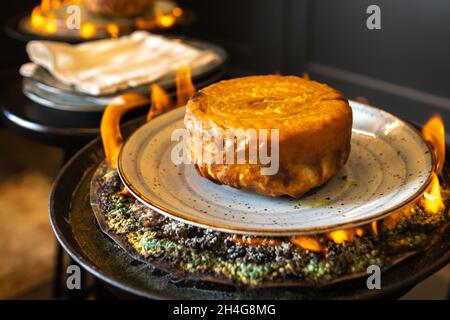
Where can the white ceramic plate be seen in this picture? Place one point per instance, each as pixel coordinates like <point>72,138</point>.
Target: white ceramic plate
<point>390,165</point>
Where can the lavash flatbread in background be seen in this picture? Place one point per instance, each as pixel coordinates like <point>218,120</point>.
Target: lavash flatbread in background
<point>107,66</point>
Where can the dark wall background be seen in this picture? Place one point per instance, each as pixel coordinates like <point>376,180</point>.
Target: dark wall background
<point>12,51</point>
<point>404,67</point>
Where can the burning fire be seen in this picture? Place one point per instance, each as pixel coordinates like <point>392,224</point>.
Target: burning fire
<point>185,87</point>
<point>177,12</point>
<point>166,21</point>
<point>431,202</point>
<point>50,24</point>
<point>433,132</point>
<point>37,20</point>
<point>341,236</point>
<point>160,102</point>
<point>110,124</point>
<point>113,30</point>
<point>308,243</point>
<point>374,226</point>
<point>87,31</point>
<point>432,199</point>
<point>46,5</point>
<point>43,19</point>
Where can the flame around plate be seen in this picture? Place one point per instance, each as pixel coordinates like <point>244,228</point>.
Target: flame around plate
<point>390,166</point>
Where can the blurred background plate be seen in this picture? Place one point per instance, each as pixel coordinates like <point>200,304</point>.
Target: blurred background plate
<point>46,90</point>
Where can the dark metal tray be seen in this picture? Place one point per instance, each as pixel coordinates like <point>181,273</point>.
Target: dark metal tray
<point>76,229</point>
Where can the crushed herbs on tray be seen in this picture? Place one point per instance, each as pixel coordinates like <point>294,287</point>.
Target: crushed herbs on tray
<point>247,260</point>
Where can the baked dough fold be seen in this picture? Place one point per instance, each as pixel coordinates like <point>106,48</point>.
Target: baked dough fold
<point>313,120</point>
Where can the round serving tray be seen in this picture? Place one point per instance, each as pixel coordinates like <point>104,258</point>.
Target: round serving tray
<point>64,128</point>
<point>44,89</point>
<point>76,228</point>
<point>390,165</point>
<point>19,28</point>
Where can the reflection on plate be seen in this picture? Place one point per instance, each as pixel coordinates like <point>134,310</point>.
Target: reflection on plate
<point>389,166</point>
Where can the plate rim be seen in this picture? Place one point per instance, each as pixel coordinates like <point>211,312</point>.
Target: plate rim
<point>286,232</point>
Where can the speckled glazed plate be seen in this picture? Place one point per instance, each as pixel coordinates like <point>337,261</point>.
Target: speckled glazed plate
<point>390,165</point>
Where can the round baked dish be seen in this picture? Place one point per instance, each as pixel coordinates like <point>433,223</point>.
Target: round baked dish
<point>313,121</point>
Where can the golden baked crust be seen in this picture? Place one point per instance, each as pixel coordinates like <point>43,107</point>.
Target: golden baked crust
<point>313,119</point>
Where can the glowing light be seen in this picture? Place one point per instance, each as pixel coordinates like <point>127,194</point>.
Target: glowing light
<point>433,132</point>
<point>113,30</point>
<point>185,87</point>
<point>55,4</point>
<point>374,226</point>
<point>432,199</point>
<point>160,101</point>
<point>359,232</point>
<point>50,24</point>
<point>46,5</point>
<point>307,243</point>
<point>341,236</point>
<point>166,21</point>
<point>177,12</point>
<point>87,30</point>
<point>37,20</point>
<point>110,123</point>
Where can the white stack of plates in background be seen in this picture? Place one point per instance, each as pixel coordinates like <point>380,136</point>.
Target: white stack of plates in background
<point>46,90</point>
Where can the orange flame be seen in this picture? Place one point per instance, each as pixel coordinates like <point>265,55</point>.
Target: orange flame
<point>42,17</point>
<point>308,243</point>
<point>160,101</point>
<point>359,232</point>
<point>185,87</point>
<point>46,5</point>
<point>374,226</point>
<point>87,30</point>
<point>166,21</point>
<point>41,20</point>
<point>110,124</point>
<point>177,12</point>
<point>113,30</point>
<point>432,199</point>
<point>37,20</point>
<point>391,221</point>
<point>50,24</point>
<point>433,132</point>
<point>341,236</point>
